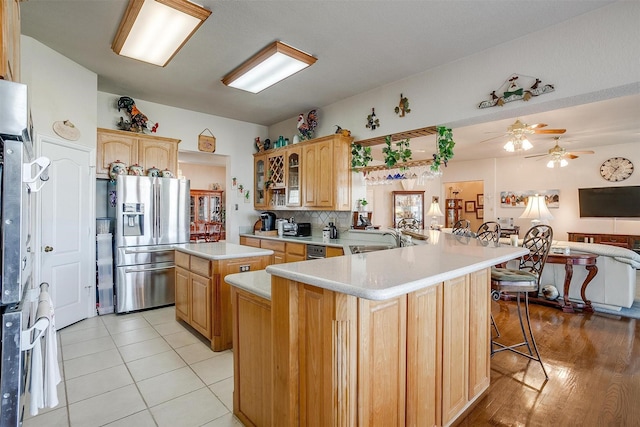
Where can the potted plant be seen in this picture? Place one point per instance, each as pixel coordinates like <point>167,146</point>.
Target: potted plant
<point>445,148</point>
<point>360,156</point>
<point>362,205</point>
<point>394,157</point>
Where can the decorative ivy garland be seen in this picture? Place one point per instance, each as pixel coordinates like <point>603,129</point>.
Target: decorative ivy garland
<point>400,155</point>
<point>445,148</point>
<point>360,156</point>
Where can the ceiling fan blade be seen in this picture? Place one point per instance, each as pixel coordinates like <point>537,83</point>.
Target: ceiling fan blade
<point>535,155</point>
<point>570,156</point>
<point>549,131</point>
<point>491,139</point>
<point>538,125</point>
<point>583,152</point>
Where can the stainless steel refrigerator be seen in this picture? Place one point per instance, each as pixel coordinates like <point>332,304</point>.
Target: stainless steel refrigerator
<point>152,216</point>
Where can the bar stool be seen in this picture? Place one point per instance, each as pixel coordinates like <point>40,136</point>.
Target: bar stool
<point>461,227</point>
<point>489,232</point>
<point>522,281</point>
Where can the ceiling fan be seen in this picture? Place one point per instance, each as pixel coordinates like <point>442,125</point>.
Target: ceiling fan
<point>518,132</point>
<point>559,155</point>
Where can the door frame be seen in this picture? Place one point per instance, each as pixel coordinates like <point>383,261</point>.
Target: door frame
<point>90,257</point>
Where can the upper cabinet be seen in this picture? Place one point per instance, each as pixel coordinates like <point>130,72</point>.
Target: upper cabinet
<point>131,148</point>
<point>314,175</point>
<point>10,40</point>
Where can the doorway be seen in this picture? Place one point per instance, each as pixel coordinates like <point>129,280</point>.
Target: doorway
<point>464,200</point>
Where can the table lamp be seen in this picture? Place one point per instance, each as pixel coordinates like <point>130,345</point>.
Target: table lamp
<point>536,210</point>
<point>434,212</point>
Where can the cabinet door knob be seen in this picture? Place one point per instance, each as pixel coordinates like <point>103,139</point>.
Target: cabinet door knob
<point>48,248</point>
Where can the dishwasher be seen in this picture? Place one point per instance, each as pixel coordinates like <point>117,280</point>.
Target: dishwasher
<point>316,251</point>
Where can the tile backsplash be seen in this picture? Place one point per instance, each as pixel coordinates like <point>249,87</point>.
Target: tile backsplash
<point>319,219</point>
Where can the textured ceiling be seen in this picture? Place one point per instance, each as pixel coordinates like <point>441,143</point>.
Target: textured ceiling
<point>360,45</point>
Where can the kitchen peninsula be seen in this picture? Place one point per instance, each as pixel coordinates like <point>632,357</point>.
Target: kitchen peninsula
<point>393,337</point>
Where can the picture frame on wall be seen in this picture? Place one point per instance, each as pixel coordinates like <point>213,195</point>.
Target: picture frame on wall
<point>480,198</point>
<point>469,206</point>
<point>480,213</point>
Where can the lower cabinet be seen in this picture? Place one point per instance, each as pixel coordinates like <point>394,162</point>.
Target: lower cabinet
<point>418,359</point>
<point>203,298</point>
<point>252,363</point>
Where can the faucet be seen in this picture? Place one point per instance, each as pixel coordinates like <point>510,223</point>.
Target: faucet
<point>397,236</point>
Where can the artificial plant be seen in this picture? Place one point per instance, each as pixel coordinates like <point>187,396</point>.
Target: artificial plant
<point>360,156</point>
<point>392,157</point>
<point>445,148</point>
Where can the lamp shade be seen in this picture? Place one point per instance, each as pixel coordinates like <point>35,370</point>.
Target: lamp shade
<point>272,64</point>
<point>434,210</point>
<point>536,210</point>
<point>153,31</point>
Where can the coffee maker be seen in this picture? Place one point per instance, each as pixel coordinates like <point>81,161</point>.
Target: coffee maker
<point>268,221</point>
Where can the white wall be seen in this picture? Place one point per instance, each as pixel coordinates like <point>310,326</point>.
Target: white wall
<point>234,139</point>
<point>588,58</point>
<point>59,89</point>
<point>518,173</point>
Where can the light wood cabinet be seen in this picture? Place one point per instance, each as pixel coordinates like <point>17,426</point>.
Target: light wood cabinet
<point>10,40</point>
<point>418,359</point>
<point>131,148</point>
<point>295,252</point>
<point>252,365</point>
<point>203,298</point>
<point>260,200</point>
<point>313,175</point>
<point>278,248</point>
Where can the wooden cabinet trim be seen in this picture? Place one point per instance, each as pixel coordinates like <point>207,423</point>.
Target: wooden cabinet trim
<point>200,266</point>
<point>273,245</point>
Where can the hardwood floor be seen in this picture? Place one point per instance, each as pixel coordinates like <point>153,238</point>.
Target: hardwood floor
<point>593,361</point>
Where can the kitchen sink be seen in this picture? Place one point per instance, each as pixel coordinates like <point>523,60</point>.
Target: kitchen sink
<point>361,249</point>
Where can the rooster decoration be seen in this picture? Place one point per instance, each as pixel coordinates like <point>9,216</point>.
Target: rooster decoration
<point>306,128</point>
<point>138,121</point>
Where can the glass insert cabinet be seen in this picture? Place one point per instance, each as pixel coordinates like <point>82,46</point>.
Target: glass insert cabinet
<point>206,206</point>
<point>408,209</point>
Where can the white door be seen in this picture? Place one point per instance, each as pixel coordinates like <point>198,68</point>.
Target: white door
<point>67,242</point>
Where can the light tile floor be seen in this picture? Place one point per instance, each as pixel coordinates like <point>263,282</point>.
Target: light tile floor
<point>140,369</point>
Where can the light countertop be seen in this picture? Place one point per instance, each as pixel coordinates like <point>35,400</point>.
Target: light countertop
<point>346,239</point>
<point>390,273</point>
<point>257,282</point>
<point>221,250</point>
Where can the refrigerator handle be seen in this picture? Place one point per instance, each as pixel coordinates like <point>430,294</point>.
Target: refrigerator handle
<point>147,251</point>
<point>158,208</point>
<point>142,270</point>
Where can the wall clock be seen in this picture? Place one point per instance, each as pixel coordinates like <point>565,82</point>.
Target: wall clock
<point>616,169</point>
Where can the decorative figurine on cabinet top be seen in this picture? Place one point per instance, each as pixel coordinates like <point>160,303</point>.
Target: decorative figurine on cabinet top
<point>117,168</point>
<point>306,129</point>
<point>138,121</point>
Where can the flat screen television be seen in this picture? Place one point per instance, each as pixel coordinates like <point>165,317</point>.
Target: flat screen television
<point>610,202</point>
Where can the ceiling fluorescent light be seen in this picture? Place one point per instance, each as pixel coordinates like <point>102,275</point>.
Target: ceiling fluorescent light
<point>153,31</point>
<point>272,64</point>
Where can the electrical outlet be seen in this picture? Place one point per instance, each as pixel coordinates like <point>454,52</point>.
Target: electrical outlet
<point>244,268</point>
<point>333,220</point>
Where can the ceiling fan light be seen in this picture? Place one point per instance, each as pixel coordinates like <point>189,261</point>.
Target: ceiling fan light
<point>526,145</point>
<point>509,146</point>
<point>563,163</point>
<point>551,164</point>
